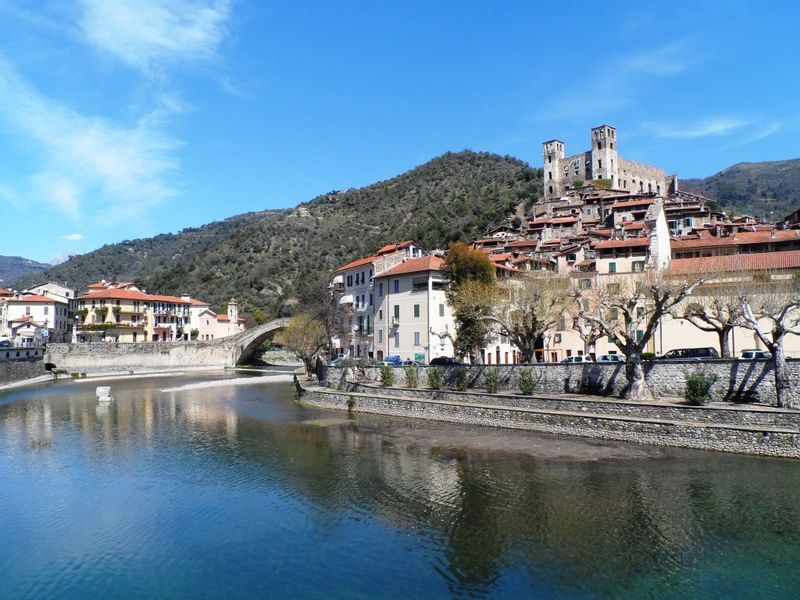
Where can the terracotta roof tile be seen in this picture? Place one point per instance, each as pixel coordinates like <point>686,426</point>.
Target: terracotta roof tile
<point>394,247</point>
<point>358,263</point>
<point>415,265</point>
<point>35,299</point>
<point>756,261</point>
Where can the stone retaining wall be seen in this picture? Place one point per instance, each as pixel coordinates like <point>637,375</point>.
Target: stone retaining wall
<point>748,439</point>
<point>737,381</point>
<point>12,371</point>
<point>731,415</point>
<point>103,356</point>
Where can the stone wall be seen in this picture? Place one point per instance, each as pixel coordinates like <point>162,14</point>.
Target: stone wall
<point>18,370</point>
<point>101,356</point>
<point>737,381</point>
<point>744,438</point>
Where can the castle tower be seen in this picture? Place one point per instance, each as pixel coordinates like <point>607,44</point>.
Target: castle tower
<point>553,152</point>
<point>605,163</point>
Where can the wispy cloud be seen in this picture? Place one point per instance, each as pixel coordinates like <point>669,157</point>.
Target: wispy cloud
<point>85,156</point>
<point>152,34</point>
<point>73,237</point>
<point>712,126</point>
<point>610,87</point>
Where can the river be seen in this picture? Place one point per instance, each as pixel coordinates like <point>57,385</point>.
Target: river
<point>218,485</point>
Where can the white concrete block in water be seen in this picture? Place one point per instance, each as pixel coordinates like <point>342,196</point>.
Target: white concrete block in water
<point>104,393</point>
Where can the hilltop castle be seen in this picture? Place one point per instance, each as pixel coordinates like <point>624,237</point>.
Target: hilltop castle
<point>600,162</point>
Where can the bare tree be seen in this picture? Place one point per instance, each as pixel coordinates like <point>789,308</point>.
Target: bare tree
<point>305,336</point>
<point>529,307</point>
<point>770,306</point>
<point>473,304</point>
<point>589,332</point>
<point>628,310</point>
<point>715,309</point>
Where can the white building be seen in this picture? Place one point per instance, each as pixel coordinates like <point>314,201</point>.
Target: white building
<point>32,319</point>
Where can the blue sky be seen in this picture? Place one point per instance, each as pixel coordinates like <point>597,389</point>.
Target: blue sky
<point>122,119</point>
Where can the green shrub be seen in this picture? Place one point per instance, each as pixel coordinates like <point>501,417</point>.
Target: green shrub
<point>387,376</point>
<point>525,382</point>
<point>462,378</point>
<point>351,402</point>
<point>412,376</point>
<point>697,388</point>
<point>491,376</point>
<point>434,378</point>
<point>648,355</point>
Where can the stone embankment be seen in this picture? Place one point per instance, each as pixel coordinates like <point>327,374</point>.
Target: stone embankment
<point>561,406</point>
<point>14,371</point>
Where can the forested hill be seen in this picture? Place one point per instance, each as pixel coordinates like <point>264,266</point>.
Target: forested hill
<point>14,267</point>
<point>273,260</point>
<point>768,190</point>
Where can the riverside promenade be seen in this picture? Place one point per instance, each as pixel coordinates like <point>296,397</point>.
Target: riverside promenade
<point>722,426</point>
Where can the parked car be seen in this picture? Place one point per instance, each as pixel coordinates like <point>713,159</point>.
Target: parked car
<point>755,355</point>
<point>412,363</point>
<point>689,354</point>
<point>392,361</point>
<point>611,358</point>
<point>339,362</point>
<point>441,361</point>
<point>578,359</point>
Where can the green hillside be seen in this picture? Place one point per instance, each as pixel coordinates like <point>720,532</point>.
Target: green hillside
<point>273,261</point>
<point>768,190</point>
<point>14,267</point>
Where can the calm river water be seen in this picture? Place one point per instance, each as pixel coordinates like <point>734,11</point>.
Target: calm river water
<point>205,486</point>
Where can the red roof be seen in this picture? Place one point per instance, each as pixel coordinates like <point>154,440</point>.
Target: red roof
<point>523,244</point>
<point>113,294</point>
<point>357,263</point>
<point>500,257</point>
<point>756,261</point>
<point>563,220</point>
<point>629,243</point>
<point>5,292</point>
<point>415,265</point>
<point>33,298</point>
<point>631,203</point>
<point>394,247</point>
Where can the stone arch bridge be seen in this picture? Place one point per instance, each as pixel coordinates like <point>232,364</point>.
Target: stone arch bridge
<point>103,356</point>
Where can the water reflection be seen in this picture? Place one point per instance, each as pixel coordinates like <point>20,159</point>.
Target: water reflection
<point>372,505</point>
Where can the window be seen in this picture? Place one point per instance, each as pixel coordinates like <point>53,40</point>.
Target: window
<point>27,310</point>
<point>441,310</point>
<point>396,286</point>
<point>416,338</point>
<point>550,175</point>
<point>550,189</point>
<point>557,338</point>
<point>396,339</point>
<point>46,309</point>
<point>638,266</point>
<point>416,311</point>
<point>397,311</point>
<point>380,336</point>
<point>639,335</point>
<point>370,299</point>
<point>639,312</point>
<point>599,164</point>
<point>380,289</point>
<point>380,315</point>
<point>349,282</point>
<point>612,267</point>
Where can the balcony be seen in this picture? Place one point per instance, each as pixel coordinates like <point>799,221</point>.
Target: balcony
<point>395,322</point>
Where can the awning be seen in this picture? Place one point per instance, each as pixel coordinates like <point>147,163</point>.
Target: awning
<point>339,279</point>
<point>346,299</point>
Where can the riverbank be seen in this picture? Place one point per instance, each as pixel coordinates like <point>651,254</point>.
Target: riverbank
<point>759,431</point>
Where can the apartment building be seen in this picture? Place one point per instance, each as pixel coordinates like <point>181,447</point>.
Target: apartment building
<point>411,315</point>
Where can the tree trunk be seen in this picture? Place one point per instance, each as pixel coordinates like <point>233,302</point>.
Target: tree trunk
<point>636,387</point>
<point>724,342</point>
<point>783,398</point>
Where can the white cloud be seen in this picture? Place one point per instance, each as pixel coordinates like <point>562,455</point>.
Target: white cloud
<point>73,237</point>
<point>713,126</point>
<point>88,157</point>
<point>149,34</point>
<point>619,81</point>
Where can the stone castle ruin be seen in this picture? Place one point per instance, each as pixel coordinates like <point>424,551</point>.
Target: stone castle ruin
<point>600,165</point>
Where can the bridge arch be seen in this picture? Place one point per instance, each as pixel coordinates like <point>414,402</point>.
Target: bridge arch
<point>244,344</point>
